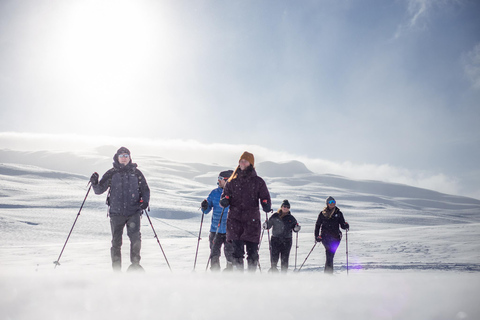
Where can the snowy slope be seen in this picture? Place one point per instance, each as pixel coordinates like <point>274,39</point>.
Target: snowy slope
<point>402,240</point>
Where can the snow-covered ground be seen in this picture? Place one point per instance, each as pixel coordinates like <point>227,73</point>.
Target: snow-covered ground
<point>413,253</point>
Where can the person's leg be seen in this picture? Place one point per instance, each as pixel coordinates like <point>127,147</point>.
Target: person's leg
<point>275,252</point>
<point>117,223</point>
<point>285,253</point>
<point>228,251</point>
<point>133,232</point>
<point>238,254</point>
<point>215,246</point>
<point>252,255</point>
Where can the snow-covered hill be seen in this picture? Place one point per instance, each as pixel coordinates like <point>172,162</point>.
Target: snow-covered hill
<point>393,228</point>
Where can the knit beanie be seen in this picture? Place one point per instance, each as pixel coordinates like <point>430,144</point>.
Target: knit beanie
<point>121,151</point>
<point>226,174</point>
<point>286,203</point>
<point>249,157</point>
<point>329,198</point>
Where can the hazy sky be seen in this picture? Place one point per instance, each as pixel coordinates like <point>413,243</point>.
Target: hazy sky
<point>362,82</point>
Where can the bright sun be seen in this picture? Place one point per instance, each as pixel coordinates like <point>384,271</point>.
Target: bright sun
<point>103,49</point>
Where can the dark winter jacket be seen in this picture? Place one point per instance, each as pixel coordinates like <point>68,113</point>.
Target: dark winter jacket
<point>127,187</point>
<point>329,228</point>
<point>244,192</point>
<point>282,227</point>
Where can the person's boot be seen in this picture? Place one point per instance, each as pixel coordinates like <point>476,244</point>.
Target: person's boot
<point>135,267</point>
<point>229,266</point>
<point>215,266</point>
<point>252,265</point>
<point>116,259</point>
<point>238,264</point>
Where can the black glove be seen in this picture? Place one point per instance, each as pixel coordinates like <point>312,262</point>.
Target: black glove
<point>225,202</point>
<point>347,226</point>
<point>204,205</point>
<point>94,178</point>
<point>318,239</point>
<point>266,206</point>
<point>143,204</point>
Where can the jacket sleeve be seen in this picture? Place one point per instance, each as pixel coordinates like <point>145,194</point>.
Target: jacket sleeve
<point>263,192</point>
<point>210,200</point>
<point>104,183</point>
<point>270,220</point>
<point>143,186</point>
<point>341,220</point>
<point>293,223</point>
<point>318,225</point>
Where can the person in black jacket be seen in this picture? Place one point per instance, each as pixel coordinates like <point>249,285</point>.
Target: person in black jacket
<point>283,223</point>
<point>128,196</point>
<point>327,231</point>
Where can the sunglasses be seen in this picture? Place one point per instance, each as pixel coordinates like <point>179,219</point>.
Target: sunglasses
<point>331,202</point>
<point>123,156</point>
<point>288,207</point>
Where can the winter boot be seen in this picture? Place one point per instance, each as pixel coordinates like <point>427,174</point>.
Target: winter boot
<point>116,259</point>
<point>135,267</point>
<point>238,264</point>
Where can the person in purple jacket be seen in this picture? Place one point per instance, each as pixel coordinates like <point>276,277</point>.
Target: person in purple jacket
<point>243,192</point>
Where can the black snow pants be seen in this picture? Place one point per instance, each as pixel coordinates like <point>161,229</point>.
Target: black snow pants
<point>215,249</point>
<point>331,245</point>
<point>281,250</point>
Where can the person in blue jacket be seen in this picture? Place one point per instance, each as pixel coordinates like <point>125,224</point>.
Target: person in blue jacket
<point>218,229</point>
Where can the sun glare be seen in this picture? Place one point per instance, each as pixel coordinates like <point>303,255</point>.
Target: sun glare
<point>103,51</point>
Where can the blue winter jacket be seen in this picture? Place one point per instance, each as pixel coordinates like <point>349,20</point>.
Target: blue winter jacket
<point>213,202</point>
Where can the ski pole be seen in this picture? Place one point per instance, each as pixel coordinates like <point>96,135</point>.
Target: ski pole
<point>198,242</point>
<point>307,256</point>
<point>215,238</point>
<point>269,243</point>
<point>155,234</point>
<point>346,243</point>
<point>296,248</point>
<point>57,262</point>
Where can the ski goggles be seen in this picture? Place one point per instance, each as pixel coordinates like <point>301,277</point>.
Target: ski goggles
<point>124,156</point>
<point>222,178</point>
<point>331,202</point>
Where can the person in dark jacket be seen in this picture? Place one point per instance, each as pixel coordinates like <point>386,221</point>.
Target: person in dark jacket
<point>218,229</point>
<point>283,223</point>
<point>243,192</point>
<point>128,196</point>
<point>327,230</point>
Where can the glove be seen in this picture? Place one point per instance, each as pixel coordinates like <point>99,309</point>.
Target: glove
<point>94,178</point>
<point>225,202</point>
<point>143,204</point>
<point>297,228</point>
<point>318,239</point>
<point>204,205</point>
<point>347,226</point>
<point>266,206</point>
<point>265,225</point>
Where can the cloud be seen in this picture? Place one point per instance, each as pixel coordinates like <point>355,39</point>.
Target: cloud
<point>223,154</point>
<point>471,65</point>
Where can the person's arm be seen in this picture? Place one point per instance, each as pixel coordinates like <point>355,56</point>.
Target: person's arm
<point>104,183</point>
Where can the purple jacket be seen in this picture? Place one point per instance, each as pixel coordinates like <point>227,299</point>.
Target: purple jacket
<point>245,192</point>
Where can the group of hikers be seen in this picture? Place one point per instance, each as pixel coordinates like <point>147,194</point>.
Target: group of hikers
<point>236,222</point>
